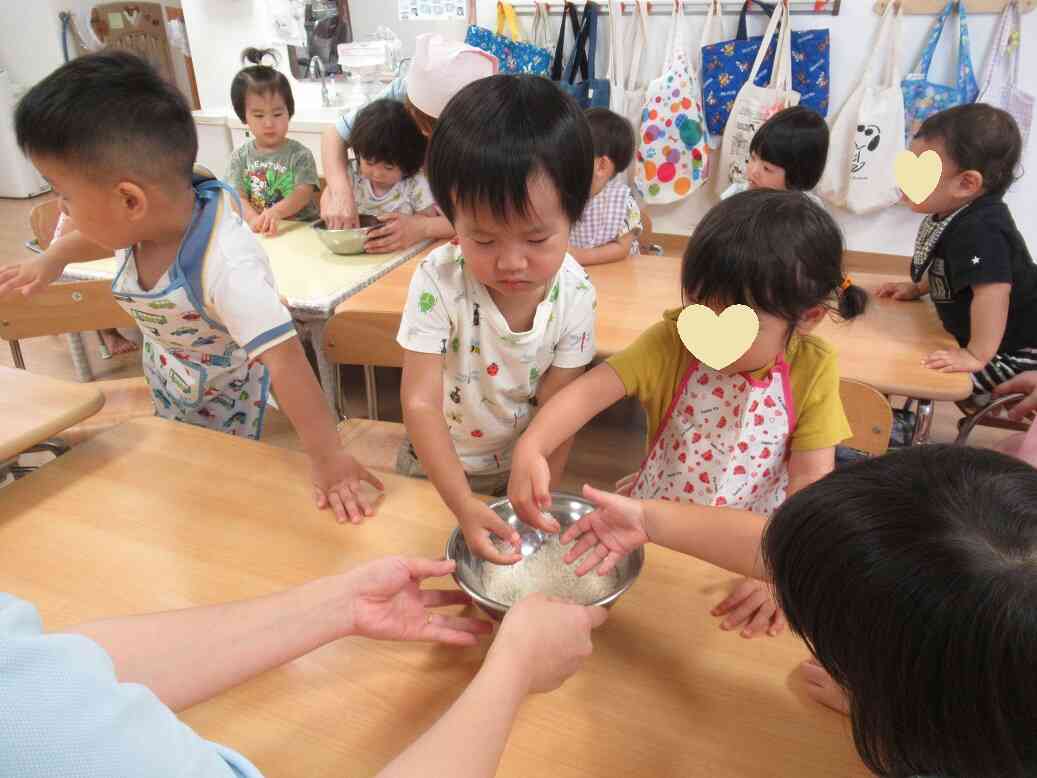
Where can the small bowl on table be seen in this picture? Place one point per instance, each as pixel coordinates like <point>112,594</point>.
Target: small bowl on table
<point>495,588</point>
<point>349,241</point>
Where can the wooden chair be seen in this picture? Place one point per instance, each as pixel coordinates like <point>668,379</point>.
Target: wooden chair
<point>870,417</point>
<point>363,342</point>
<point>989,416</point>
<point>44,220</point>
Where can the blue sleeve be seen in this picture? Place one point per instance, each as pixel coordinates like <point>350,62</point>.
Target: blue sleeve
<point>394,90</point>
<point>64,713</point>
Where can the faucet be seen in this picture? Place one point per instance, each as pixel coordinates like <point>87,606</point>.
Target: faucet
<point>316,70</point>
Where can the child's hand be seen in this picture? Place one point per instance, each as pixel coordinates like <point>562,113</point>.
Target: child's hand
<point>266,223</point>
<point>1024,383</point>
<point>336,482</point>
<point>397,231</point>
<point>823,689</point>
<point>529,489</point>
<point>899,291</point>
<point>612,530</point>
<point>751,604</point>
<point>959,360</point>
<point>479,524</point>
<point>29,277</point>
<point>625,485</point>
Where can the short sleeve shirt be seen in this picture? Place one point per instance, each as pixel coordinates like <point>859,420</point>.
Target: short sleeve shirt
<point>983,246</point>
<point>268,177</point>
<point>408,196</point>
<point>490,373</point>
<point>63,712</point>
<point>653,367</point>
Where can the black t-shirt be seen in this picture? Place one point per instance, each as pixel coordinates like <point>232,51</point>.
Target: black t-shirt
<point>983,246</point>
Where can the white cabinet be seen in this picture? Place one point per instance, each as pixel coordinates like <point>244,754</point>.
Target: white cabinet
<point>214,143</point>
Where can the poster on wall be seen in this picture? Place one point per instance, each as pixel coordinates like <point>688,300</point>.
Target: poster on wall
<point>429,10</point>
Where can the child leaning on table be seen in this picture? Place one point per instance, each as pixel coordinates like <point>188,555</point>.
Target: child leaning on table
<point>745,436</point>
<point>275,175</point>
<point>608,227</point>
<point>117,142</point>
<point>970,257</point>
<point>911,577</point>
<point>501,319</point>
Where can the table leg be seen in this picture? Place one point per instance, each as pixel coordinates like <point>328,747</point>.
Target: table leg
<point>923,422</point>
<point>16,354</point>
<point>79,358</point>
<point>371,390</point>
<point>313,331</point>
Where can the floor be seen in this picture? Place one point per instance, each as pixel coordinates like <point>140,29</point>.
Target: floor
<point>607,449</point>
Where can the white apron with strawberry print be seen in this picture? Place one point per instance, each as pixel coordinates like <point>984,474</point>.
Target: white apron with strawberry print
<point>723,442</point>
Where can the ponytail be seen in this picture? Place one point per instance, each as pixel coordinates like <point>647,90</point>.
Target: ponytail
<point>254,56</point>
<point>852,300</point>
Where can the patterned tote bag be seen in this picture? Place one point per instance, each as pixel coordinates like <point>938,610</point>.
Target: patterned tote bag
<point>1005,54</point>
<point>513,54</point>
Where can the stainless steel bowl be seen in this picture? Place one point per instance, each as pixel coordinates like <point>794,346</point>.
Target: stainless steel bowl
<point>476,576</point>
<point>349,241</point>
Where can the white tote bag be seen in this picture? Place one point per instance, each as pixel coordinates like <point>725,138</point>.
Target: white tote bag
<point>630,68</point>
<point>712,32</point>
<point>1007,48</point>
<point>754,104</point>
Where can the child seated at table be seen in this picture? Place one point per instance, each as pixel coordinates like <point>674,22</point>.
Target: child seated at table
<point>970,257</point>
<point>275,175</point>
<point>911,577</point>
<point>788,152</point>
<point>753,432</point>
<point>502,318</point>
<point>118,142</point>
<point>390,150</point>
<point>608,227</point>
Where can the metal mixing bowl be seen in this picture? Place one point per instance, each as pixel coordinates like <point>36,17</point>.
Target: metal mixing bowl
<point>346,241</point>
<point>472,572</point>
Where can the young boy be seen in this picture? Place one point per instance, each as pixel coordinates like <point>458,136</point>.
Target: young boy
<point>500,320</point>
<point>969,255</point>
<point>117,143</point>
<point>608,227</point>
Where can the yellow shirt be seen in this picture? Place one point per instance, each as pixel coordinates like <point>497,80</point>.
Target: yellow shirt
<point>653,367</point>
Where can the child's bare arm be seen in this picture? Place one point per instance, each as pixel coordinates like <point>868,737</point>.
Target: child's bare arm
<point>28,277</point>
<point>554,380</point>
<point>300,197</point>
<point>613,251</point>
<point>989,316</point>
<point>336,474</point>
<point>250,213</point>
<point>805,467</point>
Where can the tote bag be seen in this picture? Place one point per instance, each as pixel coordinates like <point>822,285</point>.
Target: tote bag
<point>1006,50</point>
<point>671,156</point>
<point>590,92</point>
<point>558,64</point>
<point>923,98</point>
<point>513,54</point>
<point>726,66</point>
<point>756,104</point>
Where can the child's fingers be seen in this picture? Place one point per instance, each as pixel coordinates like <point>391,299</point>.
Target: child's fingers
<point>744,611</point>
<point>760,622</point>
<point>353,510</point>
<point>594,558</point>
<point>366,475</point>
<point>610,562</point>
<point>574,531</point>
<point>483,547</point>
<point>778,623</point>
<point>586,542</point>
<point>335,500</point>
<point>420,569</point>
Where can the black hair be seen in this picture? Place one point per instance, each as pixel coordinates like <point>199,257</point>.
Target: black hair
<point>112,115</point>
<point>259,79</point>
<point>795,139</point>
<point>912,578</point>
<point>776,251</point>
<point>613,136</point>
<point>385,131</point>
<point>979,137</point>
<point>496,133</point>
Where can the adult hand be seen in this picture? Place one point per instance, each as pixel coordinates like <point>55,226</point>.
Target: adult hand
<point>338,208</point>
<point>385,601</point>
<point>29,277</point>
<point>612,530</point>
<point>397,231</point>
<point>529,488</point>
<point>336,482</point>
<point>752,604</point>
<point>958,360</point>
<point>906,290</point>
<point>480,524</point>
<point>1024,383</point>
<point>546,640</point>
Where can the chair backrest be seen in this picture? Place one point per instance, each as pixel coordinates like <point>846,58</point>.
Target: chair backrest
<point>870,417</point>
<point>43,220</point>
<point>61,308</point>
<point>363,339</point>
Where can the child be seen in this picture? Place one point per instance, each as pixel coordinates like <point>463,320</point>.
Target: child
<point>390,151</point>
<point>759,429</point>
<point>788,152</point>
<point>969,255</point>
<point>608,227</point>
<point>118,142</point>
<point>501,319</point>
<point>911,577</point>
<point>274,175</point>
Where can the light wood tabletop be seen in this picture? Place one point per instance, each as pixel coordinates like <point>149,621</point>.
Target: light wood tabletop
<point>666,693</point>
<point>34,408</point>
<point>883,348</point>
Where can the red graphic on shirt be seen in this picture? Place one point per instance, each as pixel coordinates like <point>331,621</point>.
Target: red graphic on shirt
<point>719,392</point>
<point>476,433</point>
<point>722,423</point>
<point>758,420</point>
<point>682,458</point>
<point>492,369</point>
<point>704,379</point>
<point>739,470</point>
<point>769,402</point>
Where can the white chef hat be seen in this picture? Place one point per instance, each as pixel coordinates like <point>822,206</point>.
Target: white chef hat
<point>441,68</point>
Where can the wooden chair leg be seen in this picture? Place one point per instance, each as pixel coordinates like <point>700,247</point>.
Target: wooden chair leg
<point>16,354</point>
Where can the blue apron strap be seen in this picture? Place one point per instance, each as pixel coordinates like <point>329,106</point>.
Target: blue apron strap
<point>191,256</point>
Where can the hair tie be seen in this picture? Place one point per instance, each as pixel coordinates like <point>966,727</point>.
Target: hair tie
<point>847,283</point>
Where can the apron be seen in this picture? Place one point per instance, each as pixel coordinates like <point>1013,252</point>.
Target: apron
<point>723,442</point>
<point>196,371</point>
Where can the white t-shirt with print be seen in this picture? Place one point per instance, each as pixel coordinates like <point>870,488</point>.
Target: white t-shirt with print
<point>491,374</point>
<point>407,196</point>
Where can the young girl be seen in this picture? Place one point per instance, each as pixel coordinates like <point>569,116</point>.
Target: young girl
<point>969,255</point>
<point>758,430</point>
<point>502,318</point>
<point>911,578</point>
<point>788,152</point>
<point>274,175</point>
<point>390,151</point>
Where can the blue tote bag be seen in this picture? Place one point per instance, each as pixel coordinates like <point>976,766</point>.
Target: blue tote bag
<point>590,92</point>
<point>923,98</point>
<point>726,66</point>
<point>513,54</point>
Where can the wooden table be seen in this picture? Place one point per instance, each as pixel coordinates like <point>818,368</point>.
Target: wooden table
<point>667,693</point>
<point>34,408</point>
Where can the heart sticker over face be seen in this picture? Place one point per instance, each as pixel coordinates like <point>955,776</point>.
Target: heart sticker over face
<point>717,341</point>
<point>918,177</point>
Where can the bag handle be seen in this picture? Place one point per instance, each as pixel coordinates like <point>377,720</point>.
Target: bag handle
<point>540,34</point>
<point>559,58</point>
<point>926,60</point>
<point>964,50</point>
<point>615,46</point>
<point>1006,46</point>
<point>880,44</point>
<point>743,24</point>
<point>675,45</point>
<point>765,46</point>
<point>588,34</point>
<point>506,12</point>
<point>638,40</point>
<point>781,75</point>
<point>714,18</point>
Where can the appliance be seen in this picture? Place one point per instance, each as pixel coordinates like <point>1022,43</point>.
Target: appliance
<point>18,178</point>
